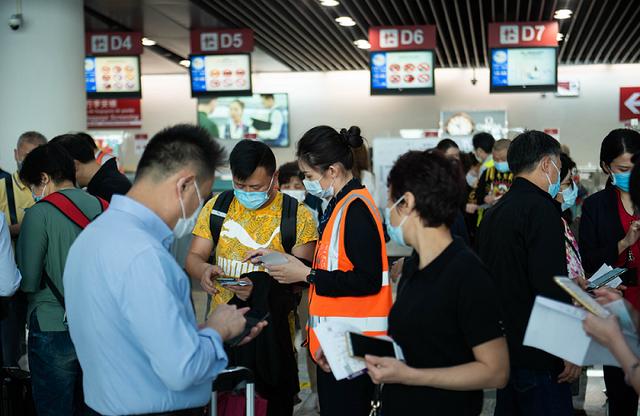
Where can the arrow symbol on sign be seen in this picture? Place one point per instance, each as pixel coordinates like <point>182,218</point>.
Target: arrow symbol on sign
<point>633,103</point>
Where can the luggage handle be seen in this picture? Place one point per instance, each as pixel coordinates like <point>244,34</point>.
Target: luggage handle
<point>244,375</point>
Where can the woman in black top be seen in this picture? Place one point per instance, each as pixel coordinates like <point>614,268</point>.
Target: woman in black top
<point>446,317</point>
<point>326,159</point>
<point>609,233</point>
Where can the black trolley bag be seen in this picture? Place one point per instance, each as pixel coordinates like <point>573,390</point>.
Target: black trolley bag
<point>231,379</point>
<point>15,393</point>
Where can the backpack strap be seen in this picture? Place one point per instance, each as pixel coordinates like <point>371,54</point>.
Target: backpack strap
<point>11,201</point>
<point>69,209</point>
<point>218,214</point>
<point>288,222</point>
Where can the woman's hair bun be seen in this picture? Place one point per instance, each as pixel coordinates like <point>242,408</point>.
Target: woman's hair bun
<point>352,136</point>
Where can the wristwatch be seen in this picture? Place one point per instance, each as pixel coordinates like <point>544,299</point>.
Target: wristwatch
<point>311,277</point>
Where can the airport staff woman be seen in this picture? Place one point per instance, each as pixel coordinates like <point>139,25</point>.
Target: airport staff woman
<point>609,232</point>
<point>446,316</point>
<point>349,275</point>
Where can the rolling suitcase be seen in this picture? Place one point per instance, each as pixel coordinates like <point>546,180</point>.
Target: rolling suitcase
<point>15,393</point>
<point>230,380</point>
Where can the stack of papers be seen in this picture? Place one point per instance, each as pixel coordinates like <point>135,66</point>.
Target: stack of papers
<point>604,269</point>
<point>556,328</point>
<point>333,339</point>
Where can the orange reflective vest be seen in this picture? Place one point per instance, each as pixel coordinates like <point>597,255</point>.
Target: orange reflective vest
<point>366,313</point>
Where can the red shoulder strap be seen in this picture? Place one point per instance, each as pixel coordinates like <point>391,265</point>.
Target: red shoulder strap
<point>68,208</point>
<point>104,204</point>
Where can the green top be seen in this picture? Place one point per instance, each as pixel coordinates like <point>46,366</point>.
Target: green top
<point>205,122</point>
<point>45,238</point>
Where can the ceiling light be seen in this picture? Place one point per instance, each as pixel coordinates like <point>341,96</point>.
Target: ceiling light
<point>562,14</point>
<point>185,62</point>
<point>329,3</point>
<point>362,44</point>
<point>148,42</point>
<point>559,37</point>
<point>343,19</point>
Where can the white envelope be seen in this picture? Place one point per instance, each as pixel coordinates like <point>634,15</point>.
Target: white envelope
<point>556,328</point>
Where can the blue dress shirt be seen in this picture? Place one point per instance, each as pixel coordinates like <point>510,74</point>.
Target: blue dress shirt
<point>9,275</point>
<point>131,319</point>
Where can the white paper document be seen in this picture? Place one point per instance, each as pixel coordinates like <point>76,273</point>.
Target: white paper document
<point>556,328</point>
<point>604,269</point>
<point>333,340</point>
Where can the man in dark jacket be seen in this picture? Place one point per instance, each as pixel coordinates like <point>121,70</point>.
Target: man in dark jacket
<point>104,180</point>
<point>521,240</point>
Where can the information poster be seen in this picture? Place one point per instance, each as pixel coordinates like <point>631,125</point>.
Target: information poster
<point>113,75</point>
<point>402,70</point>
<point>221,74</point>
<point>523,67</point>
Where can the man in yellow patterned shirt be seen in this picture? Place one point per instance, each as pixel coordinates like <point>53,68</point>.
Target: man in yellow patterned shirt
<point>253,221</point>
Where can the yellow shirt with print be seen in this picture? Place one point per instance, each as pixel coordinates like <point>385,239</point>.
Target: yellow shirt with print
<point>244,230</point>
<point>21,194</point>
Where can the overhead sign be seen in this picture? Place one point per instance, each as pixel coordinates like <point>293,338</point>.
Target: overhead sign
<point>112,113</point>
<point>515,34</point>
<point>402,38</point>
<point>568,88</point>
<point>629,103</point>
<point>113,43</point>
<point>215,41</point>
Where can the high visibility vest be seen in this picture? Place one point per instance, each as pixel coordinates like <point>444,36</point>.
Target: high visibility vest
<point>366,313</point>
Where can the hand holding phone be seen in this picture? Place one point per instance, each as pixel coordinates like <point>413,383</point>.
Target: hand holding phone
<point>360,345</point>
<point>253,319</point>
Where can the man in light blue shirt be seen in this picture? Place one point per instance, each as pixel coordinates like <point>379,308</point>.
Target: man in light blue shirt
<point>9,274</point>
<point>128,301</point>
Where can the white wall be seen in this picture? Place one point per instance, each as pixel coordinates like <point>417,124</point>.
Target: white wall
<point>341,99</point>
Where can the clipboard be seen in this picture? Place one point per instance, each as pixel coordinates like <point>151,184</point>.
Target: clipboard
<point>582,297</point>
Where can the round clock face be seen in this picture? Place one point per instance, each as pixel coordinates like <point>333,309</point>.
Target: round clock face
<point>460,125</point>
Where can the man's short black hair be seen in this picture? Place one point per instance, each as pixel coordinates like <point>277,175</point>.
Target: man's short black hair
<point>446,144</point>
<point>249,155</point>
<point>528,149</point>
<point>51,159</point>
<point>178,146</point>
<point>435,181</point>
<point>483,141</point>
<point>288,171</point>
<point>87,138</point>
<point>77,147</point>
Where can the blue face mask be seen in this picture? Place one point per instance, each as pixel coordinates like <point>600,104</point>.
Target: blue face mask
<point>252,200</point>
<point>621,180</point>
<point>315,189</point>
<point>569,196</point>
<point>502,167</point>
<point>40,197</point>
<point>395,233</point>
<point>554,188</point>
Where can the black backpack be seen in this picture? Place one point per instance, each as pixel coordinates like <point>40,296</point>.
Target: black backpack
<point>11,201</point>
<point>288,222</point>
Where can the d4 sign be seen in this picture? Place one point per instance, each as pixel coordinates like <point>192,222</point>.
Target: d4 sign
<point>115,43</point>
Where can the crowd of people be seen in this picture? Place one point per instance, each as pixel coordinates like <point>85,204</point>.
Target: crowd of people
<point>86,266</point>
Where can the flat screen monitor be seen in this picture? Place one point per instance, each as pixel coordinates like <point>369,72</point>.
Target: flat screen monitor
<point>524,69</point>
<point>400,73</point>
<point>263,117</point>
<point>220,75</point>
<point>112,76</point>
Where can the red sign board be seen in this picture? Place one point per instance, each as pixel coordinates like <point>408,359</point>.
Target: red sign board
<point>113,43</point>
<point>629,103</point>
<point>215,41</point>
<point>114,113</point>
<point>402,38</point>
<point>515,34</point>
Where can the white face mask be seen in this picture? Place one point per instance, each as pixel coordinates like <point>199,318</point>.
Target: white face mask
<point>299,195</point>
<point>185,225</point>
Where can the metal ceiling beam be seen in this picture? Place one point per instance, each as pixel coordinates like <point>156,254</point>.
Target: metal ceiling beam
<point>517,19</point>
<point>635,46</point>
<point>567,36</point>
<point>359,61</point>
<point>594,25</point>
<point>628,38</point>
<point>615,30</point>
<point>473,33</point>
<point>442,39</point>
<point>402,21</point>
<point>327,54</point>
<point>366,17</point>
<point>381,21</point>
<point>604,28</point>
<point>285,45</point>
<point>451,33</point>
<point>493,11</point>
<point>541,12</point>
<point>385,11</point>
<point>505,14</point>
<point>322,32</point>
<point>423,12</point>
<point>363,30</point>
<point>583,24</point>
<point>259,34</point>
<point>464,41</point>
<point>412,17</point>
<point>483,32</point>
<point>528,11</point>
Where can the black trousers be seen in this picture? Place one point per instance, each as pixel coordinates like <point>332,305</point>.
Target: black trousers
<point>344,397</point>
<point>623,400</point>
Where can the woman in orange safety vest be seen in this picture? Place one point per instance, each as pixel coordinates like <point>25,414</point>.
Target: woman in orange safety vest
<point>349,280</point>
